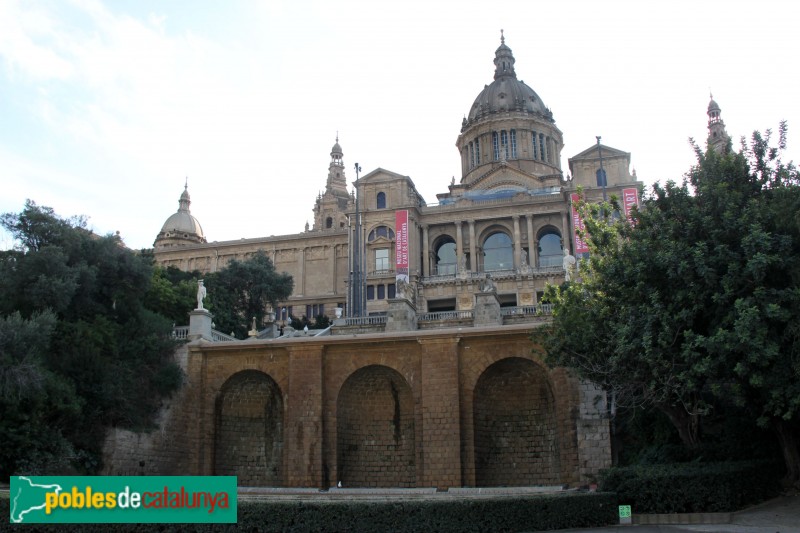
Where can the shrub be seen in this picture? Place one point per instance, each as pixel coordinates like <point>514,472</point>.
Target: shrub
<point>534,513</point>
<point>693,487</point>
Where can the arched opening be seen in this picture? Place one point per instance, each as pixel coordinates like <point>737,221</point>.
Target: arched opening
<point>550,250</point>
<point>249,430</point>
<point>446,259</point>
<point>498,252</point>
<point>328,223</point>
<point>375,430</point>
<point>515,430</point>
<point>381,200</point>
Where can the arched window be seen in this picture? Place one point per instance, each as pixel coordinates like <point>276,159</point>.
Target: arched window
<point>498,252</point>
<point>328,223</point>
<point>477,150</point>
<point>504,142</point>
<point>380,231</point>
<point>446,257</point>
<point>381,200</point>
<point>496,145</point>
<point>550,250</point>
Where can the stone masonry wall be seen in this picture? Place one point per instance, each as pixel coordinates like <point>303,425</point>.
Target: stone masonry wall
<point>423,408</point>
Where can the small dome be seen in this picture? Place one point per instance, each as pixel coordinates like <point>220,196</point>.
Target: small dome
<point>506,92</point>
<point>713,106</point>
<point>336,149</point>
<point>181,227</point>
<point>183,222</point>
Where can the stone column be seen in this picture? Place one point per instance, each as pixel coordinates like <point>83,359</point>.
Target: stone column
<point>473,252</point>
<point>459,243</point>
<point>517,241</point>
<point>531,241</point>
<point>565,239</point>
<point>301,267</point>
<point>426,252</point>
<point>441,421</point>
<point>303,423</point>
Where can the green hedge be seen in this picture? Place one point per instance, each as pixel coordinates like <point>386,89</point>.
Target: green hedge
<point>693,487</point>
<point>534,513</point>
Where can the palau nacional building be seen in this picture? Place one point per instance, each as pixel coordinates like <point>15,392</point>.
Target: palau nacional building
<point>427,377</point>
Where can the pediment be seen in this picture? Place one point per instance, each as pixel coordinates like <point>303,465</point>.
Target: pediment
<point>592,153</point>
<point>504,178</point>
<point>381,175</point>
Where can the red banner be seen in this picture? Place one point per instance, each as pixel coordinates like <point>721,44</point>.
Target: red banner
<point>577,225</point>
<point>401,244</point>
<point>630,198</point>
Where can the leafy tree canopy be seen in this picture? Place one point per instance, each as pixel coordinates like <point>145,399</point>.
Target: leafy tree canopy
<point>99,357</point>
<point>243,290</point>
<point>699,299</point>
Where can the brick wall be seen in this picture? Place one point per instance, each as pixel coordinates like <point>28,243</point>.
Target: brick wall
<point>436,408</point>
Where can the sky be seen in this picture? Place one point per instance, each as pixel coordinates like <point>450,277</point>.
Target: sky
<point>106,108</point>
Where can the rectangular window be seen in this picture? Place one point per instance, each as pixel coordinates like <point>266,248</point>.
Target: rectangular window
<point>513,144</point>
<point>381,292</point>
<point>541,147</point>
<point>477,151</point>
<point>496,145</point>
<point>310,311</point>
<point>504,141</point>
<point>381,259</point>
<point>392,290</point>
<point>549,150</point>
<point>471,156</point>
<point>370,292</point>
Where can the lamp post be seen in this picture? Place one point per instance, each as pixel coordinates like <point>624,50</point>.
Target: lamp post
<point>602,171</point>
<point>359,302</point>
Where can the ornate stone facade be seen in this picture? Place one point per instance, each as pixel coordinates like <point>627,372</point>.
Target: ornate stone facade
<point>508,215</point>
<point>445,389</point>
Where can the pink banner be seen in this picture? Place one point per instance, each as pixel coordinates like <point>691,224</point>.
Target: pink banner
<point>630,198</point>
<point>401,243</point>
<point>577,225</point>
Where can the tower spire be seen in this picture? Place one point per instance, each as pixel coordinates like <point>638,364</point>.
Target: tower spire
<point>503,60</point>
<point>718,138</point>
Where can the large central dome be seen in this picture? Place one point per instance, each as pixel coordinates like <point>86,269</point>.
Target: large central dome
<point>506,92</point>
<point>508,127</point>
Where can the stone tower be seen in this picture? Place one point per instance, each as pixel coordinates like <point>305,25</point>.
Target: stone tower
<point>718,138</point>
<point>331,206</point>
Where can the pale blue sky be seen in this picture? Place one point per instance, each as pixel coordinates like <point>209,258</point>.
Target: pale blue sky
<point>106,107</point>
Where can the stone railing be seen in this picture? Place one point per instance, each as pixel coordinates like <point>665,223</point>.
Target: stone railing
<point>365,320</point>
<point>540,309</point>
<point>218,336</point>
<point>445,315</point>
<point>180,333</point>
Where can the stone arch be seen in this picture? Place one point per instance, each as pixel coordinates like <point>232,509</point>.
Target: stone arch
<point>515,428</point>
<point>249,430</point>
<point>375,429</point>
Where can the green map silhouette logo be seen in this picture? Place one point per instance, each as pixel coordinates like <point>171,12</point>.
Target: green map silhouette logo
<point>29,497</point>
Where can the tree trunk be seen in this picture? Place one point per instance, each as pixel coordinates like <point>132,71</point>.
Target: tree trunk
<point>688,425</point>
<point>789,440</point>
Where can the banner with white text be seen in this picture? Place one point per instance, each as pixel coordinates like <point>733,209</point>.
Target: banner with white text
<point>577,226</point>
<point>401,244</point>
<point>630,198</point>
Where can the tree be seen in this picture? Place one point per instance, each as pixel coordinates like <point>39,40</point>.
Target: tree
<point>104,358</point>
<point>698,300</point>
<point>243,290</point>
